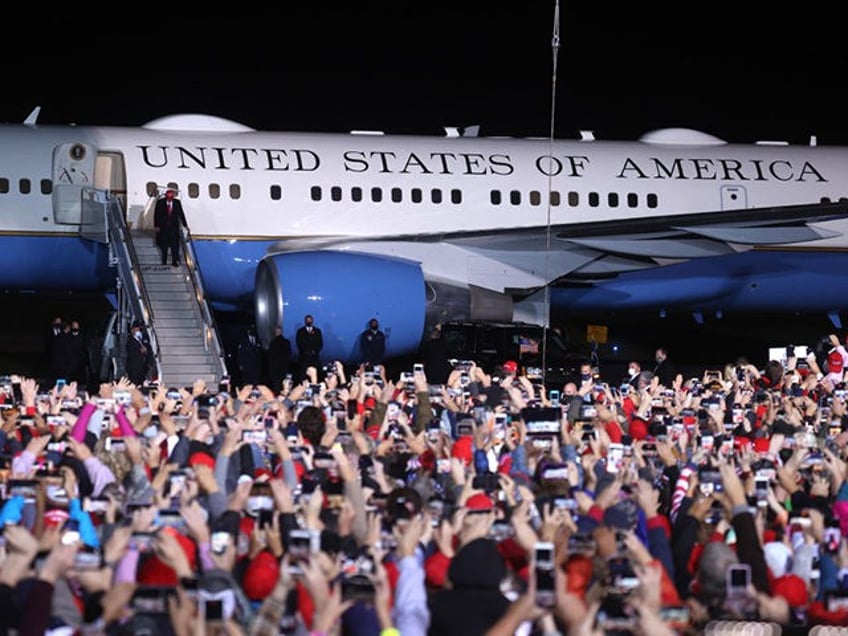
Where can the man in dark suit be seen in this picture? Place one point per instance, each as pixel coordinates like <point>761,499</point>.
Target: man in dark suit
<point>372,343</point>
<point>665,368</point>
<point>77,355</point>
<point>250,358</point>
<point>57,349</point>
<point>167,219</point>
<point>139,354</point>
<point>279,359</point>
<point>309,341</point>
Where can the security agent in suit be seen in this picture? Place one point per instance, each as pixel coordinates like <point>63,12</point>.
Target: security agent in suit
<point>309,341</point>
<point>372,343</point>
<point>250,358</point>
<point>167,219</point>
<point>139,354</point>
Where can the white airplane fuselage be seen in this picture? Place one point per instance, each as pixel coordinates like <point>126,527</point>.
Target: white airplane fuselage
<point>468,212</point>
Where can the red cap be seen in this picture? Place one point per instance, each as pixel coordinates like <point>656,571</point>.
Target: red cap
<point>462,449</point>
<point>510,366</point>
<point>479,501</point>
<point>201,458</point>
<point>834,362</point>
<point>154,571</point>
<point>793,589</point>
<point>638,428</point>
<point>260,576</point>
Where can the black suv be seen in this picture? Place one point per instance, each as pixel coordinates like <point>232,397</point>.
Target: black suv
<point>490,344</point>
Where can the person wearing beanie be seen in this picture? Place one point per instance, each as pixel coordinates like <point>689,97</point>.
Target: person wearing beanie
<point>473,602</point>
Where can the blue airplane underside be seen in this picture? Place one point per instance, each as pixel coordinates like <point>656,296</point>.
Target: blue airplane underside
<point>753,281</point>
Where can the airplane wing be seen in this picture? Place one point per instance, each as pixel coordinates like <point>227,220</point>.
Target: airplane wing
<point>521,261</point>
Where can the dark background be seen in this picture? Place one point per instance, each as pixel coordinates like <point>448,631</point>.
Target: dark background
<point>761,71</point>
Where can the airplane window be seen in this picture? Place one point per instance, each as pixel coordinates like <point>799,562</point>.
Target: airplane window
<point>436,195</point>
<point>535,197</point>
<point>193,190</point>
<point>397,195</point>
<point>594,199</point>
<point>25,186</point>
<point>276,193</point>
<point>612,199</point>
<point>376,195</point>
<point>495,197</point>
<point>46,186</point>
<point>515,197</point>
<point>456,196</point>
<point>555,198</point>
<point>415,195</point>
<point>235,191</point>
<point>152,189</point>
<point>4,185</point>
<point>573,199</point>
<point>214,191</point>
<point>356,194</point>
<point>632,200</point>
<point>652,201</point>
<point>336,193</point>
<point>316,193</point>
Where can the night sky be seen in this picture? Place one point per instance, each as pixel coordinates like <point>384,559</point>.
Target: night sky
<point>410,67</point>
<point>740,71</point>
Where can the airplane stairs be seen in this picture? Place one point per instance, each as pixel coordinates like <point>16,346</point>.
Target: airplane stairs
<point>182,333</point>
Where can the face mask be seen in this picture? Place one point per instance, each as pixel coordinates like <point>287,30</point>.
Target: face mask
<point>75,332</point>
<point>137,335</point>
<point>632,372</point>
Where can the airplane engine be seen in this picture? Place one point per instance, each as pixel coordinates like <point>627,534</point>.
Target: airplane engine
<point>342,291</point>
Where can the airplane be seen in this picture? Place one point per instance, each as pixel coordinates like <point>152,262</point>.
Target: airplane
<point>415,230</point>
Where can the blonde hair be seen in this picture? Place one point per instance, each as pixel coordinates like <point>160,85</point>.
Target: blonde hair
<point>118,463</point>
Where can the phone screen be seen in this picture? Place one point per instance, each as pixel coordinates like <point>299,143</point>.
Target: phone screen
<point>213,609</point>
<point>544,573</point>
<point>738,577</point>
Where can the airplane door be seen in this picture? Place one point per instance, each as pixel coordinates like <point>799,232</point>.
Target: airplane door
<point>733,197</point>
<point>73,170</point>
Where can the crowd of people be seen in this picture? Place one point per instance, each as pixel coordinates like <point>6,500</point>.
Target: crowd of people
<point>486,504</point>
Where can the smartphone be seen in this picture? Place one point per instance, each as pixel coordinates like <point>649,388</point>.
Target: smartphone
<point>543,568</point>
<point>553,397</point>
<point>761,489</point>
<point>622,577</point>
<point>224,385</point>
<point>464,429</point>
<point>96,505</point>
<point>832,536</point>
<point>615,454</point>
<point>151,600</point>
<point>212,609</point>
<point>115,445</point>
<point>738,579</point>
<point>17,395</point>
<point>254,437</point>
<point>418,368</point>
<point>302,545</point>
